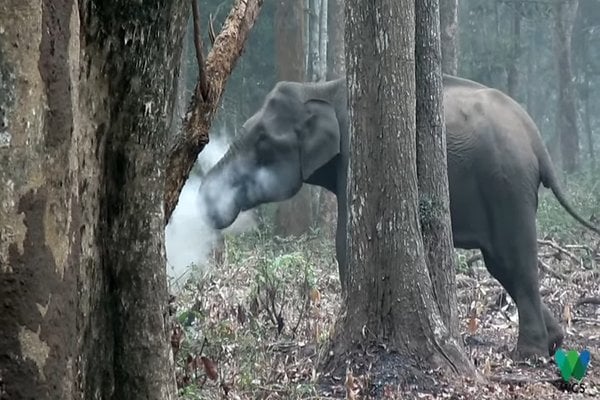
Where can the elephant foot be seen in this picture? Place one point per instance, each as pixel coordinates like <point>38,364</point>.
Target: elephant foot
<point>531,347</point>
<point>555,339</point>
<point>555,331</point>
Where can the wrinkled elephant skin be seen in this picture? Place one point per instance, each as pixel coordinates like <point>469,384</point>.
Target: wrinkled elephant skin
<point>496,162</point>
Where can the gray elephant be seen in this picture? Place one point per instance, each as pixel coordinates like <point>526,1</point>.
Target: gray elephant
<point>496,162</point>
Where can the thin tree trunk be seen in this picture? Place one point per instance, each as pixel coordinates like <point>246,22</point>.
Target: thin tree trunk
<point>293,216</point>
<point>390,296</point>
<point>513,64</point>
<point>449,36</point>
<point>82,274</point>
<point>588,122</point>
<point>314,44</point>
<point>335,45</point>
<point>432,170</point>
<point>323,32</point>
<point>566,114</point>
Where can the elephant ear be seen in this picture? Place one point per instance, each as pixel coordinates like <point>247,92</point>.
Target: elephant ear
<point>319,136</point>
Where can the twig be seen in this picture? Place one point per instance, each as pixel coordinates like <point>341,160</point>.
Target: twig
<point>473,259</point>
<point>588,300</point>
<point>519,380</point>
<point>203,83</point>
<point>548,269</point>
<point>588,320</point>
<point>555,246</point>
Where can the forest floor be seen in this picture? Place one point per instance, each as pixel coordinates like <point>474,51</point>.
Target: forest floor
<point>257,326</point>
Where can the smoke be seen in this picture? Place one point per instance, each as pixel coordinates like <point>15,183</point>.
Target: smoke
<point>189,237</point>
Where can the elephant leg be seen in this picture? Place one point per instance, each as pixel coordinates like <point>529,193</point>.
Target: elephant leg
<point>555,332</point>
<point>512,260</point>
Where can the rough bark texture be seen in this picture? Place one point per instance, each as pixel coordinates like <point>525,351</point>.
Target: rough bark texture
<point>513,64</point>
<point>82,279</point>
<point>142,67</point>
<point>389,288</point>
<point>225,52</point>
<point>566,115</point>
<point>336,66</point>
<point>313,40</point>
<point>293,216</point>
<point>449,31</point>
<point>432,170</point>
<point>39,207</point>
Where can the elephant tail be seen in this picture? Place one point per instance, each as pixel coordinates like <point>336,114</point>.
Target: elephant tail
<point>550,181</point>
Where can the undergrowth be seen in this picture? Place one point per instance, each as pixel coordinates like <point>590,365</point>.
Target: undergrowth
<point>583,193</point>
<point>256,321</point>
<point>253,325</point>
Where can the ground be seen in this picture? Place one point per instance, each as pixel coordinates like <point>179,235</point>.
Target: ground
<point>257,325</point>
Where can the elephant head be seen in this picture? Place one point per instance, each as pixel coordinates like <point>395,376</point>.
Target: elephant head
<point>280,147</point>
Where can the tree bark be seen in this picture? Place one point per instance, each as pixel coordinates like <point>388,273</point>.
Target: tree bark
<point>390,296</point>
<point>219,63</point>
<point>293,216</point>
<point>432,170</point>
<point>82,273</point>
<point>449,32</point>
<point>566,114</point>
<point>513,64</point>
<point>313,40</point>
<point>335,46</point>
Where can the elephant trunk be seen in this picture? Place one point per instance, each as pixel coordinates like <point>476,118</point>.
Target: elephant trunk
<point>219,196</point>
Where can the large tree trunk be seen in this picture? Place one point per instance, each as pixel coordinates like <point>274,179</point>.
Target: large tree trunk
<point>293,216</point>
<point>432,168</point>
<point>390,296</point>
<point>82,275</point>
<point>449,36</point>
<point>566,114</point>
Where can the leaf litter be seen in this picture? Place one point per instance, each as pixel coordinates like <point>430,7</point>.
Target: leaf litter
<point>256,326</point>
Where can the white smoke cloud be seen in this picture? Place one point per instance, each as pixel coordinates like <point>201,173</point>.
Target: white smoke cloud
<point>189,238</point>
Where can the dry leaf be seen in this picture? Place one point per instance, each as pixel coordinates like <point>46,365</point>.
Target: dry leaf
<point>177,336</point>
<point>487,366</point>
<point>473,325</point>
<point>568,314</point>
<point>209,368</point>
<point>315,296</point>
<point>350,386</point>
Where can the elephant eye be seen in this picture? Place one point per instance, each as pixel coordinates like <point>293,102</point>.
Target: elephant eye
<point>264,149</point>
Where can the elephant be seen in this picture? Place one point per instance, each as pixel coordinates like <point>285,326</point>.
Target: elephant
<point>496,162</point>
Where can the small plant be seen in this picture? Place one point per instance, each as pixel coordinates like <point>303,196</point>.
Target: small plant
<point>272,283</point>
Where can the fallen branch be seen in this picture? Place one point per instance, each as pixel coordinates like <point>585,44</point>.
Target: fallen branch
<point>560,249</point>
<point>548,269</point>
<point>227,48</point>
<point>588,300</point>
<point>520,380</point>
<point>588,320</point>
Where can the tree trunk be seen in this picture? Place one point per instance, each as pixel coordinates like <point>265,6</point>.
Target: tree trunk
<point>513,64</point>
<point>313,40</point>
<point>323,39</point>
<point>293,216</point>
<point>432,169</point>
<point>449,31</point>
<point>82,274</point>
<point>566,114</point>
<point>335,46</point>
<point>390,296</point>
<point>588,122</point>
